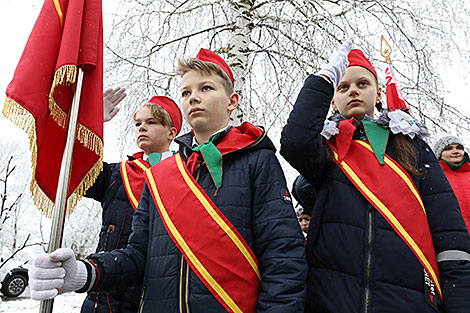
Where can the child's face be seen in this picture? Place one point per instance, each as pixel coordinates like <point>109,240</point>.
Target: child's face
<point>453,153</point>
<point>152,136</point>
<point>356,94</point>
<point>304,221</point>
<point>206,104</point>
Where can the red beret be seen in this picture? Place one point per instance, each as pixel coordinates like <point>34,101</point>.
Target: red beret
<point>357,58</point>
<point>171,108</point>
<point>209,56</point>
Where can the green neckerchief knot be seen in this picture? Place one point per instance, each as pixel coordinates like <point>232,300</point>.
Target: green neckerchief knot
<point>377,137</point>
<point>154,158</point>
<point>213,159</point>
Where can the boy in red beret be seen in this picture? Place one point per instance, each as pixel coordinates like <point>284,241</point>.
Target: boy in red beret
<point>119,186</point>
<point>215,230</point>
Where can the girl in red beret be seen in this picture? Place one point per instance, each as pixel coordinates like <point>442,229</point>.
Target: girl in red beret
<point>386,234</point>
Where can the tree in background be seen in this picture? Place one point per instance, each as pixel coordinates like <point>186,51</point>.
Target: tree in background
<point>271,46</point>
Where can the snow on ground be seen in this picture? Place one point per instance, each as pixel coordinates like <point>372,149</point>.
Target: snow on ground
<point>66,303</point>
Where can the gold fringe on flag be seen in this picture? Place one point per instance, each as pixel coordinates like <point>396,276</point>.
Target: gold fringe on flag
<point>65,76</point>
<point>89,139</point>
<point>22,118</point>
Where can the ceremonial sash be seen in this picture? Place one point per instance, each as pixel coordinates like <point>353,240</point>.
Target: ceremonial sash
<point>402,208</point>
<point>210,244</point>
<point>133,177</point>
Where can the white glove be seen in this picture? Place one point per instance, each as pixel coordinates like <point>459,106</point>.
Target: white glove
<point>56,273</point>
<point>336,68</point>
<point>111,98</point>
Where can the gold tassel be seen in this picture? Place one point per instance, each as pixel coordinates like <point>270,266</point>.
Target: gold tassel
<point>65,76</point>
<point>89,140</point>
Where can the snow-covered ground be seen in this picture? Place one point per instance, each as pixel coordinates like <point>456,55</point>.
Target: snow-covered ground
<point>67,303</point>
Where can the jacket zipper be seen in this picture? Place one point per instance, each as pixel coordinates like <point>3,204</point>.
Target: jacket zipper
<point>183,298</point>
<point>142,296</point>
<point>368,263</point>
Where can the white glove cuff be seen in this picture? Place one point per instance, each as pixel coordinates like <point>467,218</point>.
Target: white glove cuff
<point>78,280</point>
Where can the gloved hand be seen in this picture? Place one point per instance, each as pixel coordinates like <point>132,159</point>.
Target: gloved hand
<point>336,68</point>
<point>56,273</point>
<point>111,98</point>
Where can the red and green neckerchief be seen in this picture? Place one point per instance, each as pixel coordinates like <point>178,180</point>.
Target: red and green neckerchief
<point>235,139</point>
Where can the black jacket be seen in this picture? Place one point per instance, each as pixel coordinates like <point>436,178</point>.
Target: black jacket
<point>253,198</point>
<point>115,231</point>
<point>357,263</point>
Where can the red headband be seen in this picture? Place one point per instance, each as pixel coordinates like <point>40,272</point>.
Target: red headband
<point>357,58</point>
<point>171,108</point>
<point>209,56</point>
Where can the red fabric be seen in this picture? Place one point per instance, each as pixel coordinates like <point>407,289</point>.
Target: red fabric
<point>357,58</point>
<point>76,39</point>
<point>134,177</point>
<point>460,182</point>
<point>401,203</point>
<point>209,56</point>
<point>172,109</point>
<point>344,137</point>
<point>203,235</point>
<point>394,97</point>
<point>237,138</point>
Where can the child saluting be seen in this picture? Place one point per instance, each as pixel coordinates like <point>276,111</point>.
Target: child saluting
<point>388,235</point>
<point>214,231</point>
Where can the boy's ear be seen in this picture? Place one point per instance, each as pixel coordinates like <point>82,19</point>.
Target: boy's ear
<point>172,134</point>
<point>233,104</point>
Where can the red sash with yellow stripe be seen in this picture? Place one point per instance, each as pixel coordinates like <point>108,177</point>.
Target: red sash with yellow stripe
<point>211,245</point>
<point>403,208</point>
<point>133,177</point>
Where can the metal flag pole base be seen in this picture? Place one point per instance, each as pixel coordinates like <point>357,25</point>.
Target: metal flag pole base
<point>58,215</point>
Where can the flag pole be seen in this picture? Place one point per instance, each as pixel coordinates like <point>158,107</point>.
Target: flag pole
<point>58,214</point>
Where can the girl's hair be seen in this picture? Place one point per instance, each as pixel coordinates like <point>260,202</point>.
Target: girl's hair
<point>404,152</point>
<point>159,113</point>
<point>186,65</point>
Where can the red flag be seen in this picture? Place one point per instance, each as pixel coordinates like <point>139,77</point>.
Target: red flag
<point>394,97</point>
<point>68,34</point>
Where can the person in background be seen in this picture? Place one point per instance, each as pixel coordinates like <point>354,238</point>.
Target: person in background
<point>305,195</point>
<point>303,218</point>
<point>454,161</point>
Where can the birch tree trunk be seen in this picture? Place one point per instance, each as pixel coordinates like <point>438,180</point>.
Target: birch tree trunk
<point>238,52</point>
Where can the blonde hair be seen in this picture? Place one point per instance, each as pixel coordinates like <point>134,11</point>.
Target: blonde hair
<point>208,68</point>
<point>159,113</point>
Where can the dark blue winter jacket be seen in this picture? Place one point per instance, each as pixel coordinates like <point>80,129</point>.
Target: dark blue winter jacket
<point>253,198</point>
<point>357,263</point>
<point>115,231</point>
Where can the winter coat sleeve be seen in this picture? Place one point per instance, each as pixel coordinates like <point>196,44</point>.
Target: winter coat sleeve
<point>301,143</point>
<point>304,193</point>
<point>278,242</point>
<point>123,268</point>
<point>100,187</point>
<point>448,231</point>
